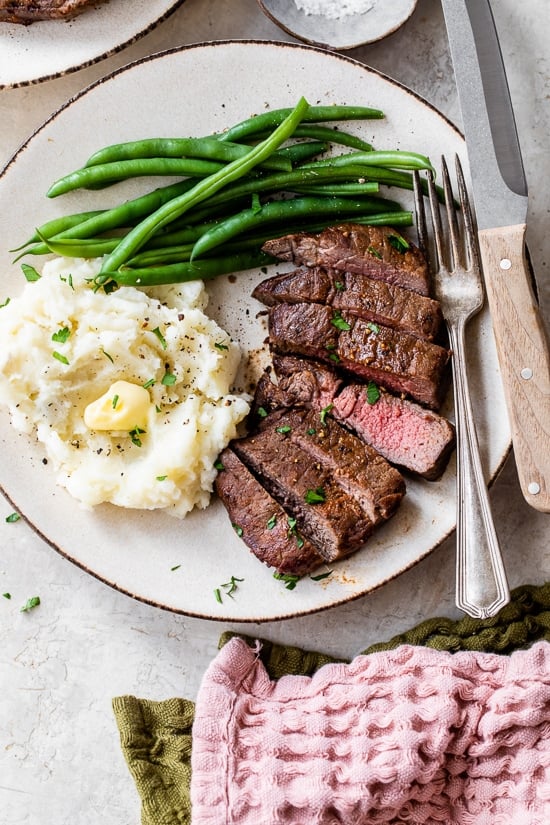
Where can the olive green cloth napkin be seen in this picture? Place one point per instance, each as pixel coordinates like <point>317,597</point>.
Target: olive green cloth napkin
<point>156,736</point>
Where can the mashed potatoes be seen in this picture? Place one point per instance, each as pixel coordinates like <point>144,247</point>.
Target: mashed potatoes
<point>63,346</point>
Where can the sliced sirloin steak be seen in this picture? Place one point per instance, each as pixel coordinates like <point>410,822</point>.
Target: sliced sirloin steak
<point>394,359</point>
<point>357,294</point>
<point>358,468</point>
<point>407,435</point>
<point>29,11</point>
<point>325,513</point>
<point>376,251</point>
<point>267,530</point>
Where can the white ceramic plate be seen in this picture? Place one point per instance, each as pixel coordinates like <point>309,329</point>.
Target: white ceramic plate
<point>381,18</point>
<point>51,48</point>
<point>135,551</point>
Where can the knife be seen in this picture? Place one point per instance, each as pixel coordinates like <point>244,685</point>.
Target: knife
<point>500,198</point>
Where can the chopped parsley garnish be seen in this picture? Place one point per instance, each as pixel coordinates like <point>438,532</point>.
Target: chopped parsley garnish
<point>175,567</point>
<point>62,335</point>
<point>271,522</point>
<point>324,412</point>
<point>373,393</point>
<point>339,286</point>
<point>219,464</point>
<point>67,280</point>
<point>149,384</point>
<point>228,588</point>
<point>114,401</point>
<point>262,412</point>
<point>60,357</point>
<point>338,322</point>
<point>6,302</point>
<point>6,595</point>
<point>316,496</point>
<point>12,518</point>
<point>34,601</point>
<point>321,576</point>
<point>398,242</point>
<point>334,357</point>
<point>290,580</point>
<point>374,252</point>
<point>106,354</point>
<point>283,429</point>
<point>238,530</point>
<point>220,346</point>
<point>156,331</point>
<point>161,478</point>
<point>293,532</point>
<point>30,273</point>
<point>135,435</point>
<point>168,379</point>
<point>373,327</point>
<point>311,431</point>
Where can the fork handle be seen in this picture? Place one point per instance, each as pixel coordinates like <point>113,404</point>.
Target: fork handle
<point>524,360</point>
<point>481,585</point>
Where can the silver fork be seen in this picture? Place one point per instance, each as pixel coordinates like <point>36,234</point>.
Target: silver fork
<point>481,585</point>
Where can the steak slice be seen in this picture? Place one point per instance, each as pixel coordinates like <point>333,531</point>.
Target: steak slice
<point>394,359</point>
<point>407,435</point>
<point>262,523</point>
<point>376,251</point>
<point>357,294</point>
<point>325,513</point>
<point>28,11</point>
<point>357,467</point>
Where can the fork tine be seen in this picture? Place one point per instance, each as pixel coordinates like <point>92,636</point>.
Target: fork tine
<point>436,221</point>
<point>451,215</point>
<point>421,228</point>
<point>472,245</point>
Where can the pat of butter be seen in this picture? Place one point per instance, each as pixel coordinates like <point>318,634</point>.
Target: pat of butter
<point>123,407</point>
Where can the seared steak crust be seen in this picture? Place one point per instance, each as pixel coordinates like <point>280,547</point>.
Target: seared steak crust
<point>357,294</point>
<point>356,466</point>
<point>325,513</point>
<point>410,437</point>
<point>262,523</point>
<point>395,360</point>
<point>27,11</point>
<point>374,251</point>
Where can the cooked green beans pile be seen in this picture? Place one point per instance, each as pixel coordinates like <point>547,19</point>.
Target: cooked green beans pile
<point>266,176</point>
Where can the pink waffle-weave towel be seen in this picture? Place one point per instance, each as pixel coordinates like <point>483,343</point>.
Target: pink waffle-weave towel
<point>411,736</point>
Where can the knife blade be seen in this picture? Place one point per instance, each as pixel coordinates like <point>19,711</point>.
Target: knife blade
<point>500,198</point>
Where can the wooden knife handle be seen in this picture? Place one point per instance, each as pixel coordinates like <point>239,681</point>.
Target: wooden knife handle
<point>523,355</point>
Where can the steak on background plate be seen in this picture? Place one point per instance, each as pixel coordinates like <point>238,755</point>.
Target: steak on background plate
<point>29,11</point>
<point>379,252</point>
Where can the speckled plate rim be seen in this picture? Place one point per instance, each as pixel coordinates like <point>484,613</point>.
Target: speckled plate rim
<point>328,33</point>
<point>78,27</point>
<point>347,584</point>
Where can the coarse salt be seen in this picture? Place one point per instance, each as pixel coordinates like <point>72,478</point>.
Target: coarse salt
<point>334,9</point>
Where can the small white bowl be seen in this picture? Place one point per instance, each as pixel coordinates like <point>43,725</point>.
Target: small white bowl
<point>347,32</point>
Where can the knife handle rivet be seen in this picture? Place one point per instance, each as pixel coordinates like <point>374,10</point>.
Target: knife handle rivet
<point>533,488</point>
<point>526,373</point>
<point>506,263</point>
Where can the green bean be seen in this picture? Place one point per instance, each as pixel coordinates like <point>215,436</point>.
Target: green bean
<point>354,189</point>
<point>300,152</point>
<point>284,210</point>
<point>331,136</point>
<point>106,174</point>
<point>171,210</point>
<point>266,121</point>
<point>206,148</point>
<point>392,158</point>
<point>57,225</point>
<point>186,271</point>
